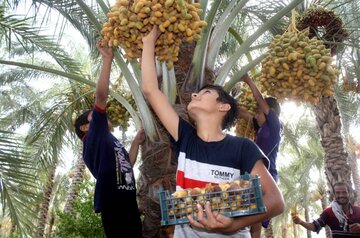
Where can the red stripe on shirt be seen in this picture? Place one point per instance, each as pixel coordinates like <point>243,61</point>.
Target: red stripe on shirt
<point>185,183</point>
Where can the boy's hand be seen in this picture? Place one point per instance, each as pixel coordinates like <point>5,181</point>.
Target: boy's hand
<point>105,51</point>
<point>211,221</point>
<point>152,36</point>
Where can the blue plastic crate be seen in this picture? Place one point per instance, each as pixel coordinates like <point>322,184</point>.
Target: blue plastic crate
<point>239,202</point>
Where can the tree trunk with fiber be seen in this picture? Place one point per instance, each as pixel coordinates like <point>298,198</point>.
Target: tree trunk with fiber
<point>307,219</point>
<point>336,159</point>
<point>44,207</point>
<point>77,179</point>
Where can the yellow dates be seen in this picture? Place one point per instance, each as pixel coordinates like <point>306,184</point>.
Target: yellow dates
<point>298,68</point>
<point>128,20</point>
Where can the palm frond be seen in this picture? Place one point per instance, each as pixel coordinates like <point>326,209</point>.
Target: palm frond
<point>225,69</point>
<point>28,36</point>
<point>18,187</point>
<point>72,12</point>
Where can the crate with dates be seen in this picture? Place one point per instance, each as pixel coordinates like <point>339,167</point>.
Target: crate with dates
<point>232,199</point>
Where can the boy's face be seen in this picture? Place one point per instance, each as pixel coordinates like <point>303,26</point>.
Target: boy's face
<point>204,100</point>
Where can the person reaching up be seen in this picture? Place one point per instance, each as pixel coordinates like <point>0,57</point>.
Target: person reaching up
<point>109,162</point>
<point>267,133</point>
<point>204,151</point>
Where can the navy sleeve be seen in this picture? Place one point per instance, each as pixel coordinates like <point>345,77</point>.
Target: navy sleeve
<point>250,154</point>
<point>99,121</point>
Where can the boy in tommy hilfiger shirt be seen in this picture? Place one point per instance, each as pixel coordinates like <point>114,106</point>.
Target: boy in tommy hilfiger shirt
<point>206,154</point>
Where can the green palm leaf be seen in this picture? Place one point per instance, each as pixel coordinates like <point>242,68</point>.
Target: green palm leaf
<point>17,187</point>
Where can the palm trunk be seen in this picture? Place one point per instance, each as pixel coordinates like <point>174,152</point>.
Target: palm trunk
<point>284,227</point>
<point>44,207</point>
<point>355,177</point>
<point>284,231</point>
<point>157,172</point>
<point>336,162</point>
<point>51,223</point>
<point>295,230</point>
<point>307,218</point>
<point>75,183</point>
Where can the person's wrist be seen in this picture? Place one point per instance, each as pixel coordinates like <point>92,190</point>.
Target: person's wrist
<point>107,59</point>
<point>148,42</point>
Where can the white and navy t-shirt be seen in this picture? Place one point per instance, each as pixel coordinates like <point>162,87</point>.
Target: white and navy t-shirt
<point>200,162</point>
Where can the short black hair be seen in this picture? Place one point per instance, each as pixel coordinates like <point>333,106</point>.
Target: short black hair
<point>81,120</point>
<point>225,97</point>
<point>349,189</point>
<point>272,102</point>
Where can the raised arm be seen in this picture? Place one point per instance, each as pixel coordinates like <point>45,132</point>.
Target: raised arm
<point>134,149</point>
<point>102,86</point>
<point>245,114</point>
<point>257,95</point>
<point>154,96</point>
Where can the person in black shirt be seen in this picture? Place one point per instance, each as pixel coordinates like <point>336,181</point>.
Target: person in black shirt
<point>109,162</point>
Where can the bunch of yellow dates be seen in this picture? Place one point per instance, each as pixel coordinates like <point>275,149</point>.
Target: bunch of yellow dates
<point>299,68</point>
<point>128,21</point>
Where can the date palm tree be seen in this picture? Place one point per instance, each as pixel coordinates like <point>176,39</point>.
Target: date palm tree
<point>76,180</point>
<point>327,111</point>
<point>85,17</point>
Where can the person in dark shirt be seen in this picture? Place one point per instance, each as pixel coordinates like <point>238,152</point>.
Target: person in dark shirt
<point>109,162</point>
<point>341,216</point>
<point>267,134</point>
<point>267,124</point>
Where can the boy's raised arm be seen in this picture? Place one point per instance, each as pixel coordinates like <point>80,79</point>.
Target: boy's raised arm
<point>257,95</point>
<point>245,114</point>
<point>154,96</point>
<point>102,86</point>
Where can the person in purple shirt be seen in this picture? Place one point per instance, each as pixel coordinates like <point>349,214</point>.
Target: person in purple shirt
<point>341,216</point>
<point>109,162</point>
<point>267,133</point>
